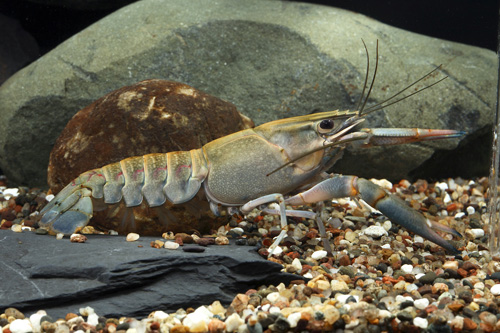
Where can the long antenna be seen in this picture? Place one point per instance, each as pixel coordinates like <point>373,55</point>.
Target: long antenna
<point>366,75</point>
<point>379,105</point>
<point>373,81</point>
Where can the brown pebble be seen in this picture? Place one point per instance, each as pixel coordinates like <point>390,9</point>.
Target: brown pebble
<point>462,272</point>
<point>344,260</point>
<point>467,265</point>
<point>308,291</point>
<point>48,327</point>
<point>186,239</point>
<point>240,302</point>
<point>155,325</point>
<point>456,306</point>
<point>469,324</point>
<point>205,241</point>
<point>70,315</point>
<point>179,328</point>
<point>485,327</point>
<point>215,326</point>
<point>425,289</point>
<point>6,224</point>
<point>13,312</point>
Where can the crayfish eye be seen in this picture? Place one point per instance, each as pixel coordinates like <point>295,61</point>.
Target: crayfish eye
<point>325,125</point>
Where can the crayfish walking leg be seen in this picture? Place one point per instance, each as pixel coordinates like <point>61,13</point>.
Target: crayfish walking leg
<point>391,206</point>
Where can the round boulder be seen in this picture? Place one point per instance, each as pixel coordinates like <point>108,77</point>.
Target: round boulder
<point>152,116</point>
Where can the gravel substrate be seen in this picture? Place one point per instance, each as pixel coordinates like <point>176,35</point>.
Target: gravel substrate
<point>379,279</point>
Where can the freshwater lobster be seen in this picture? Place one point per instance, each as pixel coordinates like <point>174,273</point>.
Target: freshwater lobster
<point>253,167</point>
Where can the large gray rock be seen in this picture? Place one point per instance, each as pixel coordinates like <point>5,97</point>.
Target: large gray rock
<point>271,59</point>
<point>118,278</point>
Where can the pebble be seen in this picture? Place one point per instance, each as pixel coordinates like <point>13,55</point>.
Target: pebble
<point>132,237</point>
<point>171,245</point>
<point>375,231</point>
<point>233,322</point>
<point>318,255</point>
<point>78,238</point>
<point>17,228</point>
<point>495,289</point>
<point>475,233</point>
<point>407,269</point>
<point>421,303</point>
<point>450,265</point>
<point>21,326</point>
<point>420,322</point>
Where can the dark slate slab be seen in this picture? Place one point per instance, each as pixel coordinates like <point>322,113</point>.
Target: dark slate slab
<point>119,278</point>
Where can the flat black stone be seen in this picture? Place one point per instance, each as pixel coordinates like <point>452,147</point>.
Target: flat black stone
<point>119,278</point>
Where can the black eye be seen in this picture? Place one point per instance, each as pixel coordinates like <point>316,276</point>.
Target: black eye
<point>325,125</point>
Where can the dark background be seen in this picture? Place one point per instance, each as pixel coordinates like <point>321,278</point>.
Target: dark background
<point>471,22</point>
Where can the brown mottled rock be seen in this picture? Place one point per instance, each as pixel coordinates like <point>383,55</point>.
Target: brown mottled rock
<point>151,116</point>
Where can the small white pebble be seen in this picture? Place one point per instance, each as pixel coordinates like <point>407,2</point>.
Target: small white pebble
<point>384,183</point>
<point>421,303</point>
<point>420,322</point>
<point>21,326</point>
<point>278,250</point>
<point>49,197</point>
<point>10,192</point>
<point>495,289</point>
<point>273,297</point>
<point>86,311</point>
<point>443,186</point>
<point>275,310</point>
<point>476,233</point>
<point>318,255</point>
<point>238,230</point>
<point>459,215</point>
<point>470,210</point>
<point>171,245</point>
<point>479,286</point>
<point>296,264</point>
<point>59,236</point>
<point>407,268</point>
<point>418,239</point>
<point>17,228</point>
<point>265,307</point>
<point>386,246</point>
<point>294,318</point>
<point>113,232</point>
<point>447,198</point>
<point>160,315</point>
<point>132,237</point>
<point>375,231</point>
<point>387,225</point>
<point>401,298</point>
<point>93,319</point>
